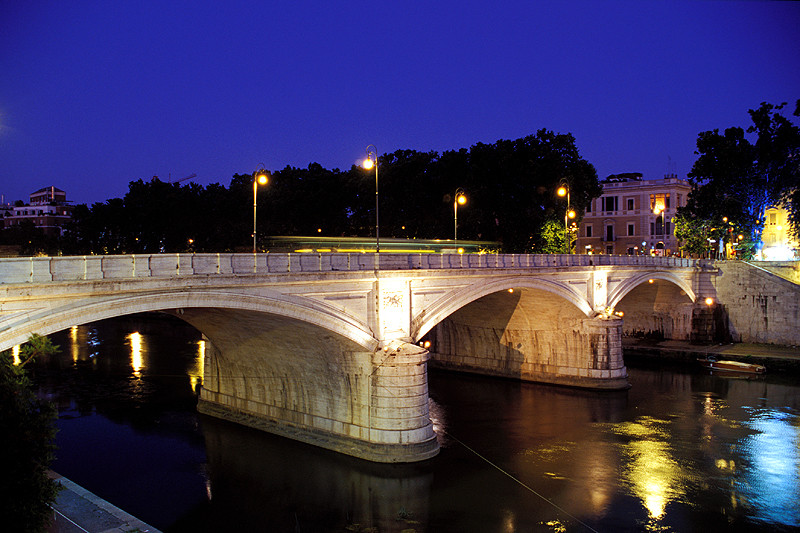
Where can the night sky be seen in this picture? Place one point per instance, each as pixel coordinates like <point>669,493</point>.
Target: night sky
<point>95,94</point>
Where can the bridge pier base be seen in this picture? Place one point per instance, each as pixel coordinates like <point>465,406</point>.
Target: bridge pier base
<point>584,353</point>
<point>370,405</point>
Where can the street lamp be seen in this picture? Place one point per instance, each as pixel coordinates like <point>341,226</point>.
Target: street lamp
<point>369,162</point>
<point>562,191</point>
<point>659,213</point>
<point>260,177</point>
<point>458,199</point>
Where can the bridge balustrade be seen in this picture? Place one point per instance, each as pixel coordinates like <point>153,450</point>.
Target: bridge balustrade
<point>77,268</point>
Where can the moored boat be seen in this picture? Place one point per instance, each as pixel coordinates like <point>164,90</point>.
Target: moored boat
<point>712,363</point>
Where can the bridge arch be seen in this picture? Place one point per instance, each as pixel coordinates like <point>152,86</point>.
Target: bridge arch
<point>426,319</point>
<point>656,304</point>
<point>631,283</point>
<point>298,308</point>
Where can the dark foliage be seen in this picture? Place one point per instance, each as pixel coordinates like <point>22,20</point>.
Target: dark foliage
<point>27,426</point>
<point>510,187</point>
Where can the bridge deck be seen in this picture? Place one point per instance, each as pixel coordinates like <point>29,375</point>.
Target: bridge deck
<point>93,267</point>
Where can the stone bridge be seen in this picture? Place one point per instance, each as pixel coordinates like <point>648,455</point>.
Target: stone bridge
<point>332,349</point>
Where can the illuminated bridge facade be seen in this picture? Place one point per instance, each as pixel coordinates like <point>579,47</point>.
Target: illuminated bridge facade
<point>333,348</point>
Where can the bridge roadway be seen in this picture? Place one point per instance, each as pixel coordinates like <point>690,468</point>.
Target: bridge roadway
<point>327,348</point>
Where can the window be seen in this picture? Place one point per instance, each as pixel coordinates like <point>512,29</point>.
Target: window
<point>589,207</point>
<point>610,249</point>
<point>660,201</point>
<point>630,251</point>
<point>630,205</point>
<point>773,218</point>
<point>609,203</point>
<point>588,230</point>
<point>631,229</point>
<point>610,232</point>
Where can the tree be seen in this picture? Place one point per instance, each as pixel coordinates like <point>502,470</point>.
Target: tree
<point>737,179</point>
<point>552,238</point>
<point>27,443</point>
<point>777,154</point>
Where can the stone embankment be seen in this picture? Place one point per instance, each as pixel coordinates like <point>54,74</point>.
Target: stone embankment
<point>774,357</point>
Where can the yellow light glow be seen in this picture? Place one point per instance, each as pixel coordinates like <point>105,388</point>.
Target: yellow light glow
<point>461,199</point>
<point>709,301</point>
<point>262,179</point>
<point>15,355</point>
<point>73,339</point>
<point>651,280</point>
<point>196,372</point>
<point>562,191</point>
<point>461,250</point>
<point>510,291</point>
<point>368,163</point>
<point>571,213</point>
<point>136,352</point>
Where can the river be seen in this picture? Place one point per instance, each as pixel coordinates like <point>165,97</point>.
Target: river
<point>680,451</point>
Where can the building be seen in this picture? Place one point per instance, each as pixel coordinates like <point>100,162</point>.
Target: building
<point>633,216</point>
<point>776,237</point>
<point>48,210</point>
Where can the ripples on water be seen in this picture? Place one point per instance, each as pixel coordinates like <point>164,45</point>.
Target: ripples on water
<point>679,451</point>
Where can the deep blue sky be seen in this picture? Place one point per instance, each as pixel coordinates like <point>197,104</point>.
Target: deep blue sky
<point>94,94</point>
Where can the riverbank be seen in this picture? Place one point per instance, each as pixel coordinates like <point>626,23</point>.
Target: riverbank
<point>772,356</point>
<point>77,510</point>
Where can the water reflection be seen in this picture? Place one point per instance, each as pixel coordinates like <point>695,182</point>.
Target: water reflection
<point>269,483</point>
<point>648,466</point>
<point>680,451</point>
<point>771,482</point>
<point>196,370</point>
<point>135,340</point>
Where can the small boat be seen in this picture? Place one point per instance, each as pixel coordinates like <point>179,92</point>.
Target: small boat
<point>712,363</point>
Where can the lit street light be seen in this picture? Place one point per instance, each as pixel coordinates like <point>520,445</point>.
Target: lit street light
<point>260,177</point>
<point>458,199</point>
<point>369,162</point>
<point>562,191</point>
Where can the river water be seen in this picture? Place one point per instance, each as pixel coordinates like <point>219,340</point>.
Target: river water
<point>680,451</point>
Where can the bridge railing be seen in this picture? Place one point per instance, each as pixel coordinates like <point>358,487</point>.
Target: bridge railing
<point>97,267</point>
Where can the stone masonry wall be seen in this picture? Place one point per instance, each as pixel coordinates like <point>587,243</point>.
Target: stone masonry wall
<point>761,306</point>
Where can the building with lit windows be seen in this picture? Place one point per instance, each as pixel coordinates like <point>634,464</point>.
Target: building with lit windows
<point>776,238</point>
<point>633,216</point>
<point>48,210</point>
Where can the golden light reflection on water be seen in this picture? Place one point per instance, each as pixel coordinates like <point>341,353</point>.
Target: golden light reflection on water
<point>73,343</point>
<point>654,476</point>
<point>135,340</point>
<point>196,371</point>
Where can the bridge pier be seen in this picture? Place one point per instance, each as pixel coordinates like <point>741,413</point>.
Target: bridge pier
<point>371,405</point>
<point>584,353</point>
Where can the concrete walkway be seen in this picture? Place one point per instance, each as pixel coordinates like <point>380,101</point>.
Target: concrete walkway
<point>779,356</point>
<point>77,510</point>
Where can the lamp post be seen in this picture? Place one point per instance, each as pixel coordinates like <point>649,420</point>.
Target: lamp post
<point>458,199</point>
<point>260,177</point>
<point>369,162</point>
<point>562,191</point>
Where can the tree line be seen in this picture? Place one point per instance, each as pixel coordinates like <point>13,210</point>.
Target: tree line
<point>735,179</point>
<point>510,187</point>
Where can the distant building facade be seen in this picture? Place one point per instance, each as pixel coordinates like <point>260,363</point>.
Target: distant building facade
<point>633,217</point>
<point>776,238</point>
<point>48,210</point>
